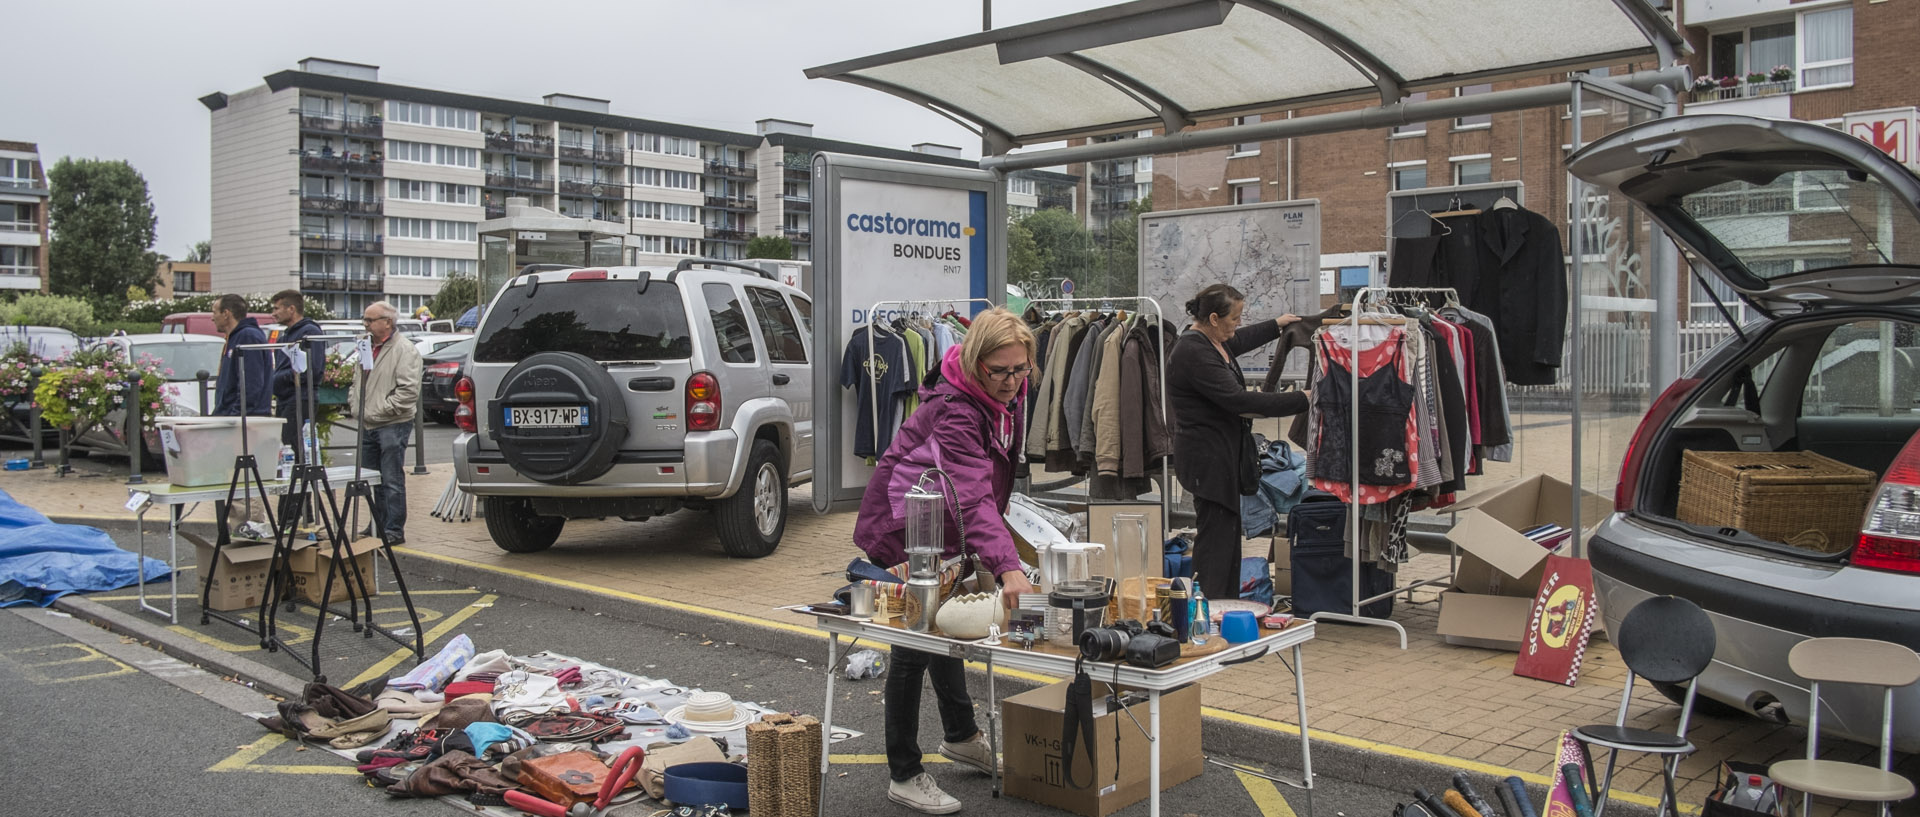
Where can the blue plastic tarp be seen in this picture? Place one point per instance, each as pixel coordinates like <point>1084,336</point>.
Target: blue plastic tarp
<point>37,554</point>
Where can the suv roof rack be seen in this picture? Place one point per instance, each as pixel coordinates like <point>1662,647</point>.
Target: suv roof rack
<point>688,263</point>
<point>533,268</point>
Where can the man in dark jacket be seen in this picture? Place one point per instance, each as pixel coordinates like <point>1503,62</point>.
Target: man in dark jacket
<point>289,401</point>
<point>230,317</point>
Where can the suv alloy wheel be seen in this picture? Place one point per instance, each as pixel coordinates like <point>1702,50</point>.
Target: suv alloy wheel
<point>752,520</point>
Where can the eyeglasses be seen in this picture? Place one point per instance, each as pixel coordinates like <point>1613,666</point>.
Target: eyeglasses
<point>1000,374</point>
<point>369,321</point>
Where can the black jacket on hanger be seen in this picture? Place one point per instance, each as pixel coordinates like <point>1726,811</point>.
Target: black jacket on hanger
<point>1207,396</point>
<point>1507,264</point>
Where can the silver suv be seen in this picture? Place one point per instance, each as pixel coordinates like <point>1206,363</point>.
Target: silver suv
<point>634,392</point>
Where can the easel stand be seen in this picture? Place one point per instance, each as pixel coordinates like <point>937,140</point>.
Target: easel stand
<point>1353,615</point>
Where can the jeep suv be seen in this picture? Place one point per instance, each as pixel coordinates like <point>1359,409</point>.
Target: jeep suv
<point>634,392</point>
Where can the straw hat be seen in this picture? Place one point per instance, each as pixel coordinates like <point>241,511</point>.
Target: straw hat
<point>711,712</point>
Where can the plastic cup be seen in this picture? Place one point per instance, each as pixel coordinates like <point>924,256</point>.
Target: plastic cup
<point>1239,626</point>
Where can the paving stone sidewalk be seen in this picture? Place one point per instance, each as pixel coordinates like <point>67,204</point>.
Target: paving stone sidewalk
<point>1457,705</point>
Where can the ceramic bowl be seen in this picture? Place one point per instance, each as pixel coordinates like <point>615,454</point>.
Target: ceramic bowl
<point>968,616</point>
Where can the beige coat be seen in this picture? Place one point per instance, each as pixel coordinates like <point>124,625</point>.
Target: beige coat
<point>393,387</point>
<point>1106,404</point>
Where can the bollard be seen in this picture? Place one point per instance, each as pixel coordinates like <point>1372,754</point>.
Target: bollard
<point>136,441</point>
<point>66,453</point>
<point>33,422</point>
<point>419,442</point>
<point>201,378</point>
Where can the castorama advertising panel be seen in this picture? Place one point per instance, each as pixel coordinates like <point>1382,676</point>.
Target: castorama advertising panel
<point>922,245</point>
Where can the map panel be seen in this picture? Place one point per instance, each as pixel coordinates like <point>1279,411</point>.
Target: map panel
<point>1270,252</point>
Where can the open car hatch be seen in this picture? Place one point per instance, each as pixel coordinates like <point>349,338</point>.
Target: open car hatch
<point>1785,212</point>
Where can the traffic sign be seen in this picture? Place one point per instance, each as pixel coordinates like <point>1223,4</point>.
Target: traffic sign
<point>1066,286</point>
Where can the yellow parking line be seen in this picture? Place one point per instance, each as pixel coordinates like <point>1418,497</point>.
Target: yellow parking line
<point>1265,795</point>
<point>447,624</point>
<point>243,760</point>
<point>136,596</point>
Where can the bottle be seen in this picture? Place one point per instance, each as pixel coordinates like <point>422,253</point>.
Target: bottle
<point>1200,621</point>
<point>286,462</point>
<point>1750,795</point>
<point>307,452</point>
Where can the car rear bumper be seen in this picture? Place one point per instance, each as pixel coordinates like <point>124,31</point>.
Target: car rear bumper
<point>700,469</point>
<point>1757,621</point>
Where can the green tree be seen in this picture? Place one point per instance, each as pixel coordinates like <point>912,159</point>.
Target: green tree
<point>460,293</point>
<point>1025,267</point>
<point>1064,249</point>
<point>103,227</point>
<point>200,253</point>
<point>1118,255</point>
<point>774,247</point>
<point>35,309</point>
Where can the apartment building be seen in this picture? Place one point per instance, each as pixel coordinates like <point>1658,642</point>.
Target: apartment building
<point>183,279</point>
<point>23,217</point>
<point>359,190</point>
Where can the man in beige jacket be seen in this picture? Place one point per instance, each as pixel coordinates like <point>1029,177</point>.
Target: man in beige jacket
<point>392,394</point>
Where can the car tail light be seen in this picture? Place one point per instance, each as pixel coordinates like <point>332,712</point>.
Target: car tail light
<point>1635,460</point>
<point>703,402</point>
<point>1890,536</point>
<point>463,416</point>
<point>588,275</point>
<point>447,369</point>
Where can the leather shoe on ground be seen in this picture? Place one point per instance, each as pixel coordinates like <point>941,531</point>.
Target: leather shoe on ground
<point>975,754</point>
<point>922,795</point>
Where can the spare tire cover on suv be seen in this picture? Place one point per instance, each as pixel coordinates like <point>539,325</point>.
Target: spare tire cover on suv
<point>562,455</point>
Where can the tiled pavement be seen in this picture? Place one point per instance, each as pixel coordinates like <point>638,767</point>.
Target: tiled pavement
<point>1457,705</point>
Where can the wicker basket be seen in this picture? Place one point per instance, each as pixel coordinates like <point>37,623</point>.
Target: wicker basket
<point>1797,497</point>
<point>783,766</point>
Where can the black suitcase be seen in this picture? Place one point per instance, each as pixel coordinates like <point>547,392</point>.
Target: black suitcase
<point>1322,573</point>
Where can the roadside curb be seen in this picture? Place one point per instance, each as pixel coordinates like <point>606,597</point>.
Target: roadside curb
<point>156,635</point>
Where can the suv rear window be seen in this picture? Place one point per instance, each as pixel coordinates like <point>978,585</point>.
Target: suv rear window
<point>604,320</point>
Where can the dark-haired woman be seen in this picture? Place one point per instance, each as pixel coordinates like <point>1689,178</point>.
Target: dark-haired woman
<point>1207,394</point>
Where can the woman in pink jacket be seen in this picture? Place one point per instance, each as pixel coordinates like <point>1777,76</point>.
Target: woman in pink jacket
<point>970,425</point>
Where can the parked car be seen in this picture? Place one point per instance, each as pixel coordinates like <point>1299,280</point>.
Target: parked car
<point>186,355</point>
<point>429,342</point>
<point>201,323</point>
<point>1819,234</point>
<point>634,392</point>
<point>45,341</point>
<point>444,368</point>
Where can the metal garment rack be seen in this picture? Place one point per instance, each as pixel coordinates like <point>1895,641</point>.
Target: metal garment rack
<point>873,380</point>
<point>1353,616</point>
<point>1141,302</point>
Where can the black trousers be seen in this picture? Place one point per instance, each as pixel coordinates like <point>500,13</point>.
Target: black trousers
<point>949,677</point>
<point>1216,549</point>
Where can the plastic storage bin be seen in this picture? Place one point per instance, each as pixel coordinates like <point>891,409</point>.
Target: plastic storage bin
<point>202,449</point>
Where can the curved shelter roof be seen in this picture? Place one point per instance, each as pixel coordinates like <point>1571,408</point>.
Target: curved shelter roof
<point>1172,62</point>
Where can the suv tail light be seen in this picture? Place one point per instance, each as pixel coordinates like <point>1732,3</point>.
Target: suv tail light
<point>703,402</point>
<point>463,416</point>
<point>1635,460</point>
<point>1890,536</point>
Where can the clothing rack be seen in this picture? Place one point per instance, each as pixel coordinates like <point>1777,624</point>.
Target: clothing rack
<point>1353,616</point>
<point>1141,302</point>
<point>873,381</point>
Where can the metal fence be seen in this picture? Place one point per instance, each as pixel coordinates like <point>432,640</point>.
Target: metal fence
<point>1613,359</point>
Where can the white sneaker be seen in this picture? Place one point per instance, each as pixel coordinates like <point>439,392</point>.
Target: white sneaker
<point>973,753</point>
<point>923,795</point>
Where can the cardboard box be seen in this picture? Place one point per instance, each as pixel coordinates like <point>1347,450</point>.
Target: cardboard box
<point>310,563</point>
<point>1281,556</point>
<point>1032,755</point>
<point>1500,570</point>
<point>241,576</point>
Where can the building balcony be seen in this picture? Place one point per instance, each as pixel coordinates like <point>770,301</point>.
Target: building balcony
<point>723,234</point>
<point>797,204</point>
<point>797,236</point>
<point>579,186</point>
<point>341,204</point>
<point>1048,201</point>
<point>22,184</point>
<point>27,270</point>
<point>747,203</point>
<point>575,150</point>
<point>593,153</point>
<point>798,174</point>
<point>337,242</point>
<point>737,170</point>
<point>496,211</point>
<point>336,123</point>
<point>19,227</point>
<point>1743,90</point>
<point>341,282</point>
<point>524,144</point>
<point>535,182</point>
<point>1758,201</point>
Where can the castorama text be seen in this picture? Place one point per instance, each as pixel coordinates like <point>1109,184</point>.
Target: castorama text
<point>890,224</point>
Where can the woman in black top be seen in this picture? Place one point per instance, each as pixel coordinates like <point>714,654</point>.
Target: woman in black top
<point>1212,455</point>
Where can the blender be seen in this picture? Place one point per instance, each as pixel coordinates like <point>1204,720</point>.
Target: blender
<point>926,517</point>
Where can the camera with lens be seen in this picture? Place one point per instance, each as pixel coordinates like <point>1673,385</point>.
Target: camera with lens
<point>1147,646</point>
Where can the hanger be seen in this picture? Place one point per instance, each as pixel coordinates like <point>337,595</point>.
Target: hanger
<point>1504,203</point>
<point>1445,230</point>
<point>1457,208</point>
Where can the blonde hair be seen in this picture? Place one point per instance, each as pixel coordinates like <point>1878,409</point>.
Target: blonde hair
<point>991,330</point>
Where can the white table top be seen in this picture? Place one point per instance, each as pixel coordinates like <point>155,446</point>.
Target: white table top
<point>163,493</point>
<point>1182,672</point>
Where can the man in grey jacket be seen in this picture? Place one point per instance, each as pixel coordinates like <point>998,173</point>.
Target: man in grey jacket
<point>392,393</point>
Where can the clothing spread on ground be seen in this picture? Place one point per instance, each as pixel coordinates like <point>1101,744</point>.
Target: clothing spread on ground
<point>462,723</point>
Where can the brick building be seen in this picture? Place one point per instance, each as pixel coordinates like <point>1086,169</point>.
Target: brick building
<point>23,217</point>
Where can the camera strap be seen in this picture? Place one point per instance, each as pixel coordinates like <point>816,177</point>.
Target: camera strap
<point>1078,711</point>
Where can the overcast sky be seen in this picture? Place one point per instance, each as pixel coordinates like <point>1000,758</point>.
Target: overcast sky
<point>122,80</point>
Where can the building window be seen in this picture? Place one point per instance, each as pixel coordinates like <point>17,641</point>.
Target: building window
<point>182,282</point>
<point>1410,177</point>
<point>1246,193</point>
<point>1413,128</point>
<point>669,145</point>
<point>1020,186</point>
<point>19,172</point>
<point>418,267</point>
<point>1826,51</point>
<point>18,261</point>
<point>1760,48</point>
<point>1247,148</point>
<point>1484,120</point>
<point>423,153</point>
<point>432,116</point>
<point>1592,103</point>
<point>428,229</point>
<point>1472,171</point>
<point>657,177</point>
